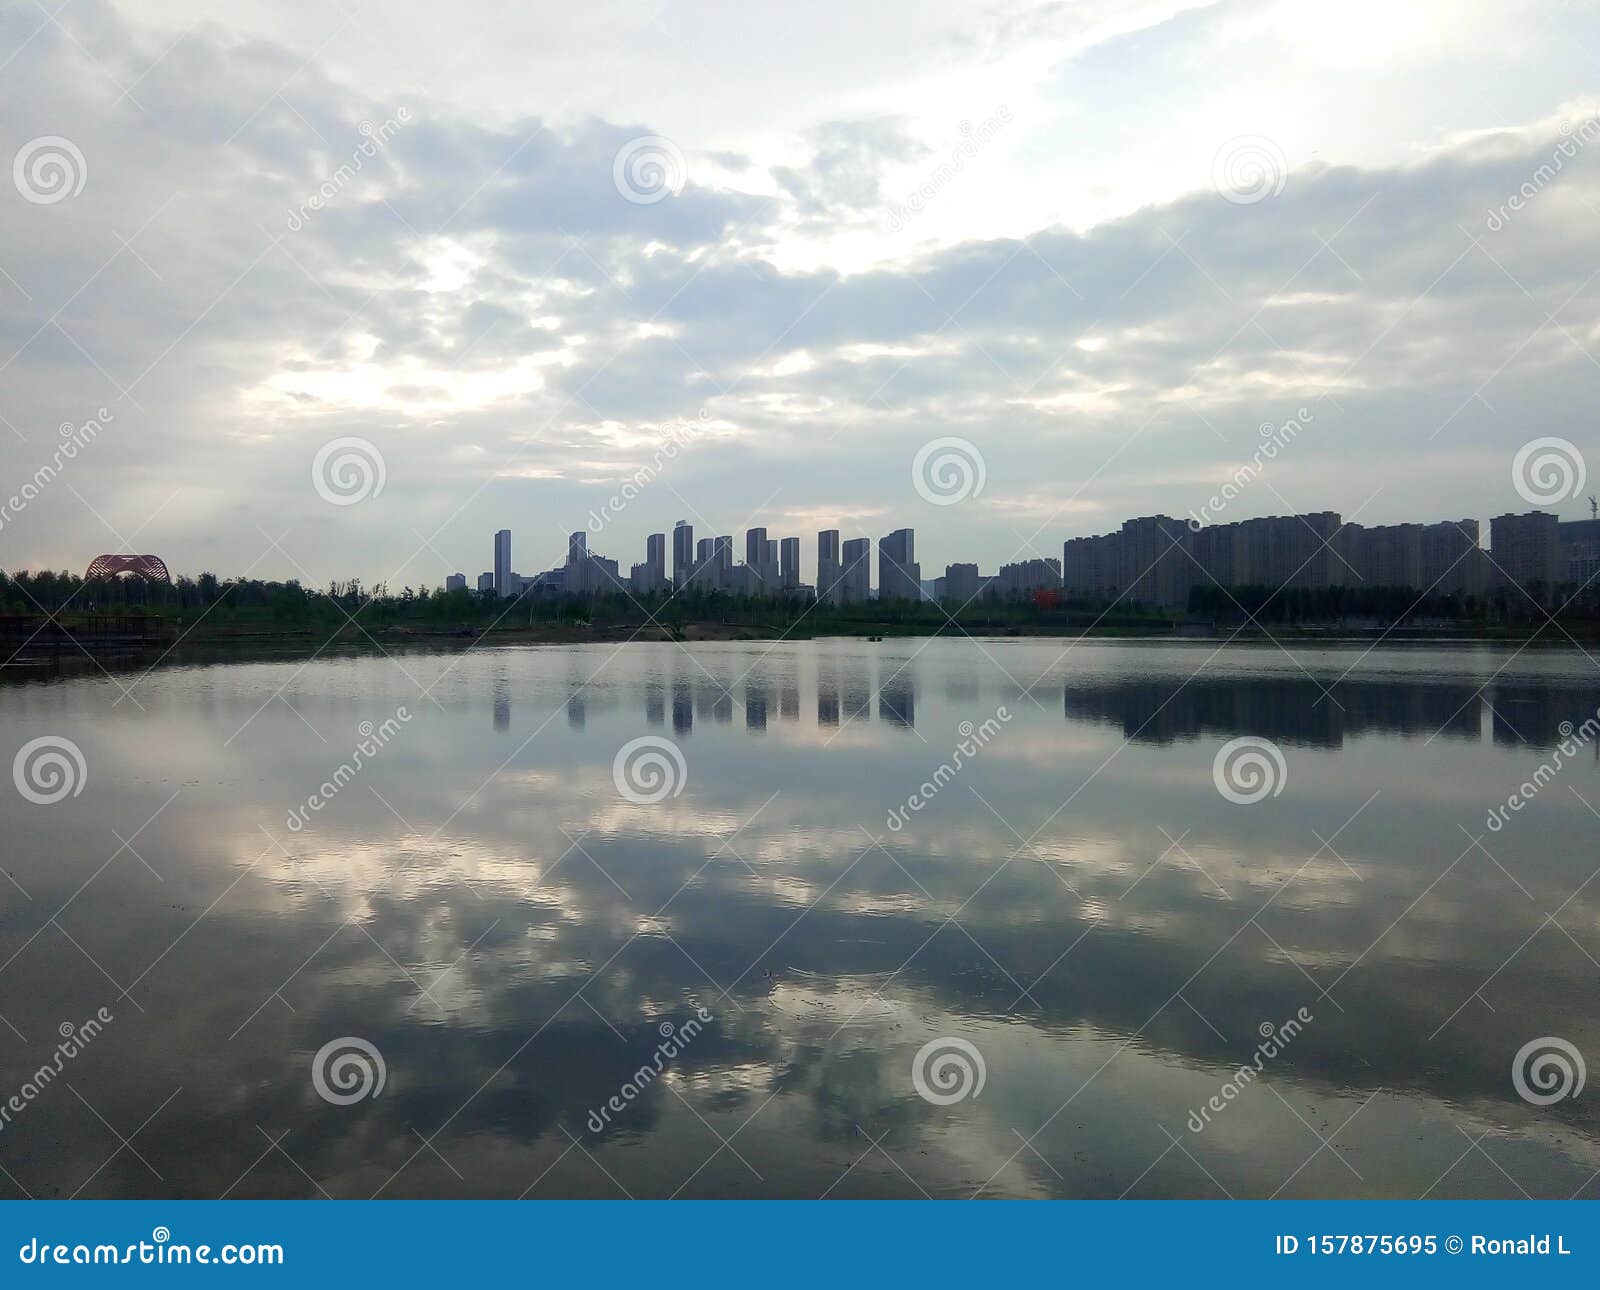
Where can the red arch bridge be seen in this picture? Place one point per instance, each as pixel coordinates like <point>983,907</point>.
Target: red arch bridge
<point>149,567</point>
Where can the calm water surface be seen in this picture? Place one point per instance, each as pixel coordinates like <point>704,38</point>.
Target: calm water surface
<point>1077,910</point>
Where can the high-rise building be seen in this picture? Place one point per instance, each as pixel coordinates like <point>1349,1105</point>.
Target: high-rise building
<point>502,563</point>
<point>789,562</point>
<point>855,572</point>
<point>899,576</point>
<point>705,569</point>
<point>1154,564</point>
<point>720,575</point>
<point>587,572</point>
<point>1580,552</point>
<point>960,583</point>
<point>1526,550</point>
<point>682,553</point>
<point>1383,555</point>
<point>1452,560</point>
<point>651,576</point>
<point>1090,565</point>
<point>1156,560</point>
<point>579,579</point>
<point>455,582</point>
<point>760,562</point>
<point>827,564</point>
<point>486,582</point>
<point>1022,579</point>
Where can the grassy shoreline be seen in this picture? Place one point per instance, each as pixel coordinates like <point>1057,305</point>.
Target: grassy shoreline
<point>467,636</point>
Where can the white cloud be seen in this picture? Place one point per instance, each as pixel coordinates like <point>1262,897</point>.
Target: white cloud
<point>479,301</point>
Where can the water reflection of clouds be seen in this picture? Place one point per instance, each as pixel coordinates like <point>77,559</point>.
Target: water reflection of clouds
<point>505,957</point>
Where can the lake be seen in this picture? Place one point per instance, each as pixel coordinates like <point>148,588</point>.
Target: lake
<point>955,918</point>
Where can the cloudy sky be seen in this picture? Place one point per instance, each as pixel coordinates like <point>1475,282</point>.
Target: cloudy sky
<point>518,256</point>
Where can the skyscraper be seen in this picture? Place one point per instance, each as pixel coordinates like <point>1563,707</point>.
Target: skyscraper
<point>828,564</point>
<point>899,577</point>
<point>855,573</point>
<point>1023,578</point>
<point>1526,550</point>
<point>789,562</point>
<point>578,579</point>
<point>651,576</point>
<point>682,553</point>
<point>755,546</point>
<point>707,577</point>
<point>961,583</point>
<point>455,582</point>
<point>1580,549</point>
<point>502,563</point>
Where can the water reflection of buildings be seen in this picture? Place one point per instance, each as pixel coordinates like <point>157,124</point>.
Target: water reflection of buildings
<point>827,702</point>
<point>897,703</point>
<point>1535,714</point>
<point>856,701</point>
<point>1151,711</point>
<point>712,698</point>
<point>1302,710</point>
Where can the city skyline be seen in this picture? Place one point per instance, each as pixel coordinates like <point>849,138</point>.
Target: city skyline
<point>901,600</point>
<point>513,331</point>
<point>1152,560</point>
